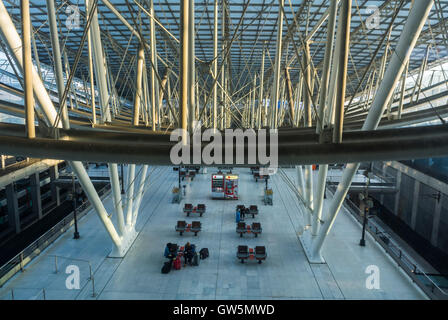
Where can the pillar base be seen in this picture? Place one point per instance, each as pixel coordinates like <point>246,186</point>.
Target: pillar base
<point>307,245</point>
<point>126,242</point>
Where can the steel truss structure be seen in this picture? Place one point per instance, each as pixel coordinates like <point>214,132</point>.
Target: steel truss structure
<point>108,80</point>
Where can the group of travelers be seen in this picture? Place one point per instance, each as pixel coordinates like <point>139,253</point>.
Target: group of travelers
<point>191,257</point>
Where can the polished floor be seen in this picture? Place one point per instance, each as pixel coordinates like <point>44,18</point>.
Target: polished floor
<point>286,274</point>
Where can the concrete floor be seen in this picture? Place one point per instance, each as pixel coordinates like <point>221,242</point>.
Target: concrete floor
<point>286,274</point>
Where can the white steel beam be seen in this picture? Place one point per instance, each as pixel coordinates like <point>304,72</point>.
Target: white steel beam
<point>411,31</point>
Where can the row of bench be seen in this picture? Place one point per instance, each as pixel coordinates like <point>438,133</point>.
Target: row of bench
<point>258,253</point>
<point>242,228</point>
<point>200,208</point>
<point>244,252</point>
<point>252,210</point>
<point>182,226</point>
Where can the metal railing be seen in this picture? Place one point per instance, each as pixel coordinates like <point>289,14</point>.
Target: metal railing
<point>18,263</point>
<point>14,290</point>
<point>91,277</point>
<point>417,275</point>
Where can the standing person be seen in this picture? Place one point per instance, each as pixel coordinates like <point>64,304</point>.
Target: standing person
<point>243,213</point>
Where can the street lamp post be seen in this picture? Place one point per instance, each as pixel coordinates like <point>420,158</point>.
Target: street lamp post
<point>367,203</point>
<point>362,242</point>
<point>122,180</point>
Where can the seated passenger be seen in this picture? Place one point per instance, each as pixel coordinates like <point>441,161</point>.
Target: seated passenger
<point>188,253</point>
<point>168,254</point>
<point>167,250</point>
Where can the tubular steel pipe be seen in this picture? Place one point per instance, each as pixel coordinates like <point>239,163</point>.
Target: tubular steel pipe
<point>326,68</point>
<point>154,80</point>
<point>215,66</point>
<point>138,90</point>
<point>58,60</point>
<point>278,54</point>
<point>406,43</point>
<point>27,68</point>
<point>184,66</point>
<point>92,77</point>
<point>358,146</point>
<point>345,17</point>
<point>191,67</point>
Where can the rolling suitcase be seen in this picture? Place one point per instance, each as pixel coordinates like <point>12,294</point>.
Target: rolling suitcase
<point>177,264</point>
<point>195,261</point>
<point>166,267</point>
<point>204,253</point>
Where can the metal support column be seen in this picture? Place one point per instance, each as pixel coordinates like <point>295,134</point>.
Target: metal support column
<point>140,193</point>
<point>13,207</point>
<point>308,123</point>
<point>154,80</point>
<point>215,66</point>
<point>411,31</point>
<point>55,193</point>
<point>344,24</point>
<point>59,74</point>
<point>92,76</point>
<point>403,89</point>
<point>252,116</point>
<point>261,100</point>
<point>320,123</point>
<point>184,68</point>
<point>100,68</point>
<point>36,195</point>
<point>130,194</point>
<point>138,89</point>
<point>290,97</point>
<point>115,184</point>
<point>326,67</point>
<point>436,222</point>
<point>278,56</point>
<point>414,210</point>
<point>27,68</point>
<point>191,68</point>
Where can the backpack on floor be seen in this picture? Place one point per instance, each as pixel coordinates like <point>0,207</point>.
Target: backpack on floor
<point>166,267</point>
<point>195,261</point>
<point>203,253</point>
<point>177,264</point>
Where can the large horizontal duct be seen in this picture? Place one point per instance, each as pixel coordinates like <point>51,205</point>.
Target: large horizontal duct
<point>294,146</point>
